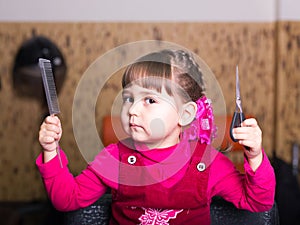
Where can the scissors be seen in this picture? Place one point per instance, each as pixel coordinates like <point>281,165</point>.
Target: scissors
<point>238,115</point>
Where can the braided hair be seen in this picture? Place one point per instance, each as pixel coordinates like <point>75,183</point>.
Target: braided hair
<point>178,66</point>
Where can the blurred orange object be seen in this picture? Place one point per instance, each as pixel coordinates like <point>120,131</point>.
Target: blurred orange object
<point>112,132</point>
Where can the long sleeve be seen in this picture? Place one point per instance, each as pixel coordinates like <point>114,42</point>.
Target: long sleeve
<point>65,191</point>
<point>253,191</point>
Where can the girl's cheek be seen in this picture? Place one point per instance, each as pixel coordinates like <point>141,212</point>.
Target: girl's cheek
<point>125,122</point>
<point>157,127</point>
<point>124,113</point>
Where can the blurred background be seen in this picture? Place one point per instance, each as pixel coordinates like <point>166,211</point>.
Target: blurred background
<point>262,37</point>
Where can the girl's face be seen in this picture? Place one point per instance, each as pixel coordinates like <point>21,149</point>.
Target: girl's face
<point>150,117</point>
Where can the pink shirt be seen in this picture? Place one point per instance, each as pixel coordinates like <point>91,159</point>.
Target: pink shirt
<point>253,191</point>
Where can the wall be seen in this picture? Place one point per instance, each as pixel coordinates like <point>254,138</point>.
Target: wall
<point>140,11</point>
<point>287,88</point>
<point>265,49</point>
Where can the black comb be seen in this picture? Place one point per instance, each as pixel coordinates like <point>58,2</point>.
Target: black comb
<point>50,91</point>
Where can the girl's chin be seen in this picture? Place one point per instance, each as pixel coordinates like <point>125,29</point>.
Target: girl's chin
<point>152,145</point>
<point>144,142</point>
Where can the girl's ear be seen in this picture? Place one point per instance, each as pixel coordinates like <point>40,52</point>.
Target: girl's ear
<point>188,113</point>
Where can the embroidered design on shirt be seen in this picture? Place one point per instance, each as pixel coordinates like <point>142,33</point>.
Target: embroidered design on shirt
<point>158,216</point>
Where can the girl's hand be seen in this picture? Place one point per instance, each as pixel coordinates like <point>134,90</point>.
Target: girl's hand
<point>50,133</point>
<point>250,134</point>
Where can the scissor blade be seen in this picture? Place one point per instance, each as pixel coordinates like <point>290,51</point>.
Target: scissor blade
<point>237,83</point>
<point>237,90</point>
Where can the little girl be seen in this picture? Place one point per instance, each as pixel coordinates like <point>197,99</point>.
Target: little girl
<point>166,172</point>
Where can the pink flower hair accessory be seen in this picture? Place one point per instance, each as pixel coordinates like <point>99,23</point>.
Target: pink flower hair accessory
<point>202,128</point>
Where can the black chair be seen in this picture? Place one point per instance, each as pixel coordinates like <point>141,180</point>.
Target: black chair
<point>96,214</point>
<point>222,213</point>
<point>225,213</point>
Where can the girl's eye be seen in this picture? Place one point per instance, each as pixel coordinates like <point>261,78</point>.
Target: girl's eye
<point>150,100</point>
<point>127,99</point>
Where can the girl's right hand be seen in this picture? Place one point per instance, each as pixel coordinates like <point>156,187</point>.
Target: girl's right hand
<point>50,133</point>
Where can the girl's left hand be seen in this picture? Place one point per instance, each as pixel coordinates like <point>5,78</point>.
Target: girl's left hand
<point>250,135</point>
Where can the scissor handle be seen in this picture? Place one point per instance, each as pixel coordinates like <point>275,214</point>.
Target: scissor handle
<point>237,119</point>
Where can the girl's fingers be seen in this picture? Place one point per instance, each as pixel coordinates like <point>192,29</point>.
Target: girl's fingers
<point>50,132</point>
<point>52,120</point>
<point>249,134</point>
<point>53,128</point>
<point>248,143</point>
<point>48,136</point>
<point>51,124</point>
<point>47,139</point>
<point>249,123</point>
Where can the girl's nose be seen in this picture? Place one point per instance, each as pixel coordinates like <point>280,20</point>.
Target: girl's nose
<point>135,108</point>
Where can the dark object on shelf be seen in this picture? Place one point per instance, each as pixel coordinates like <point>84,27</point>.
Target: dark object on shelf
<point>27,79</point>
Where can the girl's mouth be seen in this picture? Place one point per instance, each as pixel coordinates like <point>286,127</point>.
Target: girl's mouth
<point>133,125</point>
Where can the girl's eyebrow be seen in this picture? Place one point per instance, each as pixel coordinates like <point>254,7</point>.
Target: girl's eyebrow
<point>148,92</point>
<point>125,92</point>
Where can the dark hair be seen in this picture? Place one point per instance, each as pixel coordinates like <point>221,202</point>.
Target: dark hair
<point>160,67</point>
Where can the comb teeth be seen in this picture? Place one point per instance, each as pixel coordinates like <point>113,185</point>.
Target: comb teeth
<point>49,86</point>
